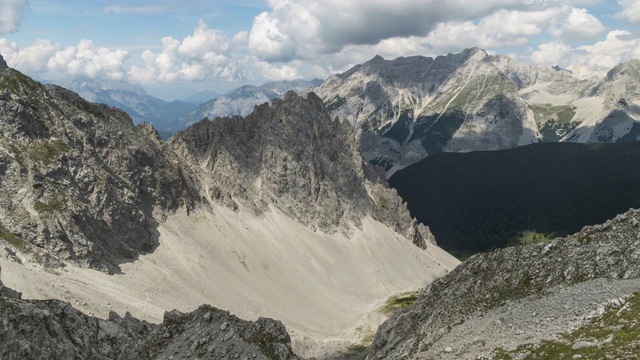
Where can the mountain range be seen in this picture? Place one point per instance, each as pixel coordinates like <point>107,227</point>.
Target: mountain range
<point>240,101</point>
<point>271,214</point>
<point>280,213</point>
<point>408,108</point>
<point>133,99</point>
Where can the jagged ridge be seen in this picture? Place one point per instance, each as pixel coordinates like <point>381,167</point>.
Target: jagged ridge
<point>488,281</point>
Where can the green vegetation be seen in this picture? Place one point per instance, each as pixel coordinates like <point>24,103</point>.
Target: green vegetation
<point>616,331</point>
<point>15,81</point>
<point>528,237</point>
<point>494,86</point>
<point>15,241</point>
<point>46,152</point>
<point>50,204</point>
<point>401,301</point>
<point>366,339</point>
<point>554,121</point>
<point>484,200</point>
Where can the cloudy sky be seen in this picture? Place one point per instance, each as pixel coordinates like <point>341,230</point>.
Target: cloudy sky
<point>172,47</point>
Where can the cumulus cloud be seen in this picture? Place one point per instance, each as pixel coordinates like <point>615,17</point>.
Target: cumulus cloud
<point>630,10</point>
<point>507,28</point>
<point>200,56</point>
<point>578,24</point>
<point>52,61</point>
<point>552,53</point>
<point>303,29</point>
<point>617,47</point>
<point>11,14</point>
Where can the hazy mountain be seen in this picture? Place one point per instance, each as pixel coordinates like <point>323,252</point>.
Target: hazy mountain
<point>133,99</point>
<point>201,97</point>
<point>274,214</point>
<point>240,101</point>
<point>410,107</point>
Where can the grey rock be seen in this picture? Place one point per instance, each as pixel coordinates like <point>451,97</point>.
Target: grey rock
<point>80,183</point>
<point>54,329</point>
<point>3,64</point>
<point>489,281</point>
<point>583,344</point>
<point>411,107</point>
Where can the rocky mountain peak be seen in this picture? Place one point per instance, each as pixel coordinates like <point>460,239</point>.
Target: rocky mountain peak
<point>291,155</point>
<point>3,64</point>
<point>82,184</point>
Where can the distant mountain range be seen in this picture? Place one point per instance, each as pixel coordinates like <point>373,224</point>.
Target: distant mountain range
<point>240,101</point>
<point>169,117</point>
<point>408,108</point>
<point>201,97</point>
<point>133,99</point>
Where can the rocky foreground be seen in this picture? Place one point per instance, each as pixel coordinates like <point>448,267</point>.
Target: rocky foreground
<point>53,329</point>
<point>509,302</point>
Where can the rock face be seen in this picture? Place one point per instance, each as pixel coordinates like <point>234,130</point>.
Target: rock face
<point>239,102</point>
<point>3,64</point>
<point>291,155</point>
<point>81,183</point>
<point>410,107</point>
<point>509,280</point>
<point>53,329</point>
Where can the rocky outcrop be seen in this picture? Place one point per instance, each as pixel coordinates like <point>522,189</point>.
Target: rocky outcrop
<point>53,329</point>
<point>289,154</point>
<point>508,277</point>
<point>80,183</point>
<point>3,64</point>
<point>407,108</point>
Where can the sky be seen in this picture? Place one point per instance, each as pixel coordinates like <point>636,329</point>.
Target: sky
<point>174,48</point>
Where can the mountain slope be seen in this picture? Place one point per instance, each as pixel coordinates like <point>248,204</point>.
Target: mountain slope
<point>240,101</point>
<point>275,214</point>
<point>481,200</point>
<point>408,108</point>
<point>80,182</point>
<point>519,296</point>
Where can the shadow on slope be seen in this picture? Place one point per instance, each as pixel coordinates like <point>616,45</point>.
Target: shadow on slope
<point>483,200</point>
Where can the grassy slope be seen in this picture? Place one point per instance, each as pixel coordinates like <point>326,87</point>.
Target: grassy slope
<point>482,200</point>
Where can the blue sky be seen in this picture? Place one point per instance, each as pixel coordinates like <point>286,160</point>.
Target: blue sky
<point>173,48</point>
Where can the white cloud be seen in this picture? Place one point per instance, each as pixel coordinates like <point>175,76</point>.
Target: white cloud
<point>617,47</point>
<point>506,28</point>
<point>578,25</point>
<point>200,56</point>
<point>551,54</point>
<point>304,29</point>
<point>51,61</point>
<point>11,14</point>
<point>630,10</point>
